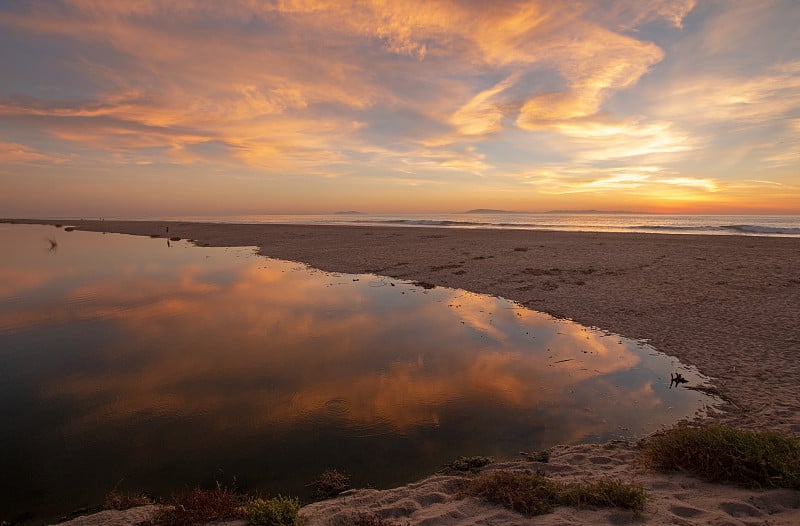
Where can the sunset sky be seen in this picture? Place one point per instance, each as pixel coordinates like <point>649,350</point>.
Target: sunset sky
<point>166,108</point>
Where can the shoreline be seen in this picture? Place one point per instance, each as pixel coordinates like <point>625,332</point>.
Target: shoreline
<point>725,304</point>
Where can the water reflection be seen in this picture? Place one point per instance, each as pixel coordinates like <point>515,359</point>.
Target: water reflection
<point>125,359</point>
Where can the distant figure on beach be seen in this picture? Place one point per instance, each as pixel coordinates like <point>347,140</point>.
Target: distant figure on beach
<point>677,379</point>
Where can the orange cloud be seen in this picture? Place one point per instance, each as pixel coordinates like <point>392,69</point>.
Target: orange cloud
<point>12,152</point>
<point>448,93</point>
<point>592,60</point>
<point>744,101</point>
<point>482,115</point>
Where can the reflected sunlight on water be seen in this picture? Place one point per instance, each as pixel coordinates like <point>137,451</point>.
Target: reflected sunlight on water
<point>124,359</point>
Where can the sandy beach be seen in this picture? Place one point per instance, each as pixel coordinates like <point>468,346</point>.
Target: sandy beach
<point>728,305</point>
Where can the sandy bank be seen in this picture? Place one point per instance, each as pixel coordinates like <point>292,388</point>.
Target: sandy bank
<point>673,499</point>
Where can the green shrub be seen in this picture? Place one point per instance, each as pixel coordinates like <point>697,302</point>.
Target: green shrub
<point>724,454</point>
<point>277,511</point>
<point>524,493</point>
<point>535,494</point>
<point>606,492</point>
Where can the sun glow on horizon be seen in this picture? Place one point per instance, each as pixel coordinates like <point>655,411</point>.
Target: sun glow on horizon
<point>169,108</point>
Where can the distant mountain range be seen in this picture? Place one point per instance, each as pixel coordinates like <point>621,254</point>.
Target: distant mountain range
<point>490,211</point>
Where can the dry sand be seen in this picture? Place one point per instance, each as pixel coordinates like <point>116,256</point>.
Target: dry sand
<point>729,305</point>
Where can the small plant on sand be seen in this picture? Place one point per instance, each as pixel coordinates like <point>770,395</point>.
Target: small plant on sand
<point>535,494</point>
<point>118,500</point>
<point>542,456</point>
<point>277,511</point>
<point>362,519</point>
<point>330,483</point>
<point>604,492</point>
<point>199,506</point>
<point>760,459</point>
<point>468,463</point>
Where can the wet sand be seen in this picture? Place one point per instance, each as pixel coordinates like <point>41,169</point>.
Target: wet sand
<point>729,305</point>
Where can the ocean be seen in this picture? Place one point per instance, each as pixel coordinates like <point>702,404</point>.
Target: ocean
<point>743,225</point>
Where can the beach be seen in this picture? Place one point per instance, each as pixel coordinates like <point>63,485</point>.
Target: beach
<point>727,305</point>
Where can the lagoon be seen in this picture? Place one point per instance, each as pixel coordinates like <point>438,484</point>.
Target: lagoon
<point>145,364</point>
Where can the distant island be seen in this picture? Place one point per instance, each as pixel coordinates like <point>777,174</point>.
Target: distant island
<point>347,213</point>
<point>590,212</point>
<point>490,211</point>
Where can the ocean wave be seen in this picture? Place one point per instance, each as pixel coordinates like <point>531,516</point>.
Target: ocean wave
<point>617,224</point>
<point>737,229</point>
<point>673,228</point>
<point>760,229</point>
<point>450,222</point>
<point>422,222</point>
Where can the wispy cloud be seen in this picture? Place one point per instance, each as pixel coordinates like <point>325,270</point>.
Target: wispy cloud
<point>741,101</point>
<point>302,88</point>
<point>483,114</point>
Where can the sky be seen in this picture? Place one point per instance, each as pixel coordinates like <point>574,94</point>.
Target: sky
<point>150,108</point>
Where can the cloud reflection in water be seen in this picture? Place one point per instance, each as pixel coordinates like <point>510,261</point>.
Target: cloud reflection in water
<point>172,364</point>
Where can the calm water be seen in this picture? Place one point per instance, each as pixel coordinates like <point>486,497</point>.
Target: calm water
<point>125,362</point>
<point>742,225</point>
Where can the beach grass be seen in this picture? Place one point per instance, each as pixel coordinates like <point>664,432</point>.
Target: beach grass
<point>469,463</point>
<point>200,506</point>
<point>330,483</point>
<point>542,456</point>
<point>536,494</point>
<point>362,519</point>
<point>204,506</point>
<point>277,511</point>
<point>119,500</point>
<point>717,453</point>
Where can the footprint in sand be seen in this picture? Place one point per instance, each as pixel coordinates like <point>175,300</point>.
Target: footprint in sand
<point>740,509</point>
<point>686,512</point>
